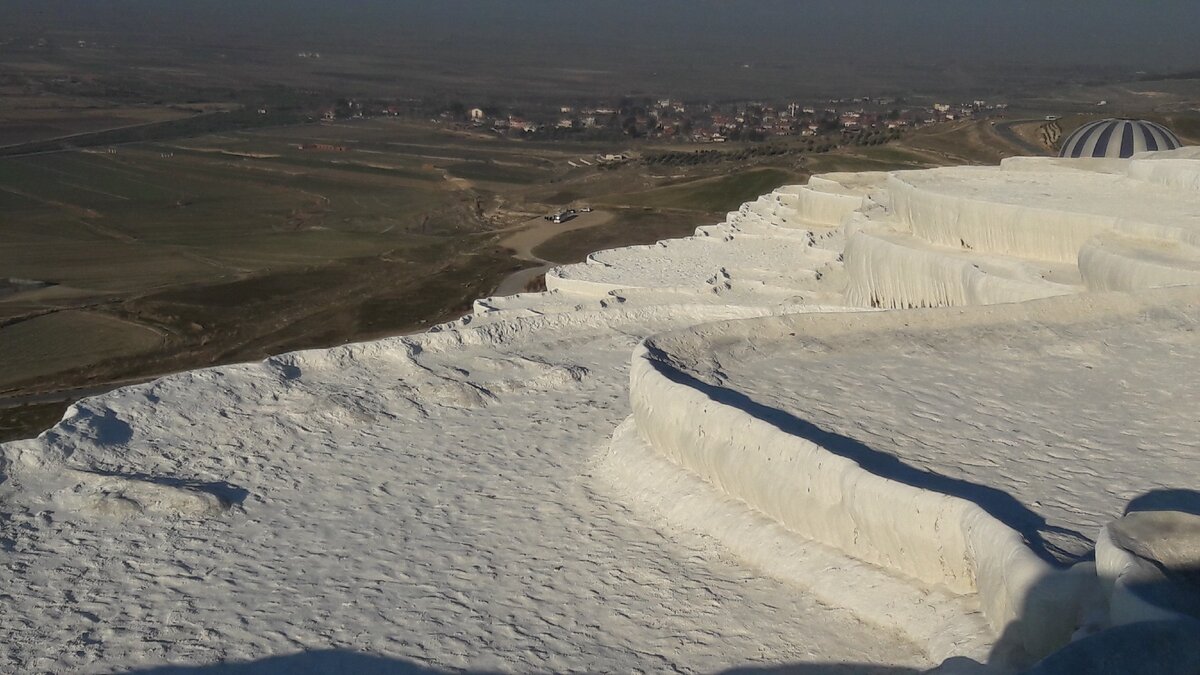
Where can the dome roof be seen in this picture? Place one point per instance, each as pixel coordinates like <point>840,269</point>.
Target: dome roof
<point>1118,139</point>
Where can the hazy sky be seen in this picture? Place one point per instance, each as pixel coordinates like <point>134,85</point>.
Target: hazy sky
<point>847,35</point>
<point>1149,32</point>
<point>1155,33</point>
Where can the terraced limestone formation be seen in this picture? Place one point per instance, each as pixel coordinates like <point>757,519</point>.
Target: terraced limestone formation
<point>712,398</point>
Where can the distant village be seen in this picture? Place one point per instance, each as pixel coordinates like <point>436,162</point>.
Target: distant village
<point>676,121</point>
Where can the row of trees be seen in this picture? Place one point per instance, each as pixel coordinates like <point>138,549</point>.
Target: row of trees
<point>713,156</point>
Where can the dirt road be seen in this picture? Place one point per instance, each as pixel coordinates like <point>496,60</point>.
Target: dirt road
<point>537,231</point>
<point>534,233</point>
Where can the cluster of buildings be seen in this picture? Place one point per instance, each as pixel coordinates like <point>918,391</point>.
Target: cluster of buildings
<point>675,120</point>
<point>716,123</point>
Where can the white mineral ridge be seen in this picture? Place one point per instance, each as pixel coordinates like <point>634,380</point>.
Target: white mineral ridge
<point>425,499</point>
<point>703,454</point>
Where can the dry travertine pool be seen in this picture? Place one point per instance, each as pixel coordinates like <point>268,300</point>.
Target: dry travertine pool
<point>1063,424</point>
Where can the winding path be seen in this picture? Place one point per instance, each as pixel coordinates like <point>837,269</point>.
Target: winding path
<point>534,233</point>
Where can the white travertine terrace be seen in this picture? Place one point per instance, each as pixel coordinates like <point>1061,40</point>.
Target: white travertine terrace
<point>942,474</point>
<point>772,410</point>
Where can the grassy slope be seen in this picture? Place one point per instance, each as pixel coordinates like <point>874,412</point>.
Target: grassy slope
<point>211,249</point>
<point>24,421</point>
<point>712,195</point>
<point>79,338</point>
<point>629,227</point>
<point>972,142</point>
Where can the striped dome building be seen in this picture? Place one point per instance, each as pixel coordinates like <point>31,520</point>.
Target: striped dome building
<point>1118,138</point>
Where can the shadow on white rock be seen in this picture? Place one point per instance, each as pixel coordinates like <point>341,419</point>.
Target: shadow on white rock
<point>122,496</point>
<point>1147,648</point>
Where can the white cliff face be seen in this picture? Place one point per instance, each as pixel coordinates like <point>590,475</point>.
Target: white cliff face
<point>512,491</point>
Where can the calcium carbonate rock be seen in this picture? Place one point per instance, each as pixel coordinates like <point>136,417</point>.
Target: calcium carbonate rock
<point>1147,648</point>
<point>1162,564</point>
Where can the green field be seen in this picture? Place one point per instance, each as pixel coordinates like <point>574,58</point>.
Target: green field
<point>629,227</point>
<point>711,195</point>
<point>80,339</point>
<point>497,173</point>
<point>27,420</point>
<point>72,217</point>
<point>164,255</point>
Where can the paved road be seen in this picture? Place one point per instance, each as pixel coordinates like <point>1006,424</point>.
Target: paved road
<point>1004,129</point>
